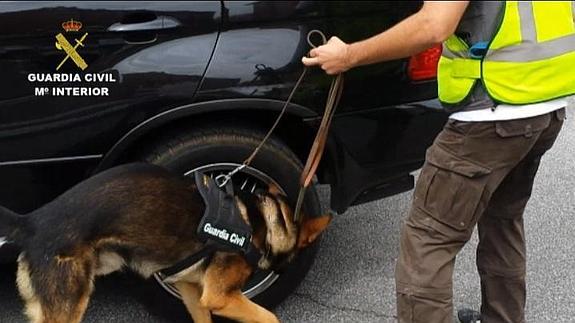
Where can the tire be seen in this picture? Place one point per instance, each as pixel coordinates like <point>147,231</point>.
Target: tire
<point>226,146</point>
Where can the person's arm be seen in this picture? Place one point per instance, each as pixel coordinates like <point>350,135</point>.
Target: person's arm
<point>431,25</point>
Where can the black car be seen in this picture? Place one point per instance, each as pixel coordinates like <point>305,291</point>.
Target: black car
<point>194,86</point>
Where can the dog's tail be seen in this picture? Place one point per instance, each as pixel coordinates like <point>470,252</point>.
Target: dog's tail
<point>12,226</point>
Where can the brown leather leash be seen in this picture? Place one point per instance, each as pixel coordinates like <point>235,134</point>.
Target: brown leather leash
<point>318,145</point>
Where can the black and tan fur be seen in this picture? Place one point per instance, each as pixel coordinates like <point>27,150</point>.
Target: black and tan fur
<point>144,218</point>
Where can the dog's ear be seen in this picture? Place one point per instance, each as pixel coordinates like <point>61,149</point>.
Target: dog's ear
<point>311,228</point>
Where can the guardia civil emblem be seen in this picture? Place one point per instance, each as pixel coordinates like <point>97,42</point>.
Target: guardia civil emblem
<point>71,51</point>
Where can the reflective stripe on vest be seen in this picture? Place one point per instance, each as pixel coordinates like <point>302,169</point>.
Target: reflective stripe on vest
<point>530,59</point>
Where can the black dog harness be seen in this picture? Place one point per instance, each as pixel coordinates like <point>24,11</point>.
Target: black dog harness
<point>221,228</point>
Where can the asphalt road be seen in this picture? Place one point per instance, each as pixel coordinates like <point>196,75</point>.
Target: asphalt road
<point>352,279</point>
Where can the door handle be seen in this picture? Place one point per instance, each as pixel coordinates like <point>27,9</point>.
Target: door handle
<point>159,22</point>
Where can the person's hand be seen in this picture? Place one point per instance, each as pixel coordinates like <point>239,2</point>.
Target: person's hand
<point>333,57</point>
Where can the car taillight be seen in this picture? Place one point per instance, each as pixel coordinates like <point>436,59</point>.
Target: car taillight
<point>423,66</point>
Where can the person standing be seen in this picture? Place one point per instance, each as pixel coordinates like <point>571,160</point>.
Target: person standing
<point>505,73</point>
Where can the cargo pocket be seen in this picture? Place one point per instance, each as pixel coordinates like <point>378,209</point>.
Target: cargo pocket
<point>522,127</point>
<point>451,188</point>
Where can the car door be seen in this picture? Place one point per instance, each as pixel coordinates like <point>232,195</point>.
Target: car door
<point>77,76</point>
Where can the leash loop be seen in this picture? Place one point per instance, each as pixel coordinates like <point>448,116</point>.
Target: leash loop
<point>315,31</point>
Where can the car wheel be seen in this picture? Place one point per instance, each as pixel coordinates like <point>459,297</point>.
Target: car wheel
<point>217,150</point>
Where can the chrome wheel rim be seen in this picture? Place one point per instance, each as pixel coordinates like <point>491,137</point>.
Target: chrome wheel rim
<point>248,179</point>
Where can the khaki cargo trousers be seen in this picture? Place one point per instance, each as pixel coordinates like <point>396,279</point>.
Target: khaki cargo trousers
<point>475,173</point>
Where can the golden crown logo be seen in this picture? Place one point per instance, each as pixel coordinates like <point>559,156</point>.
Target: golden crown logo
<point>71,25</point>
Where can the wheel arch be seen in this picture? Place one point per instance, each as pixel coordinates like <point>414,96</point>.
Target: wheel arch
<point>295,130</point>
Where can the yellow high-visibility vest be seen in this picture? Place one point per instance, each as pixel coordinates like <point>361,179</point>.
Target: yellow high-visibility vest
<point>530,59</point>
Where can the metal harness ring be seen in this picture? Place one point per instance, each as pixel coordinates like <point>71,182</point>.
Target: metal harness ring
<point>222,179</point>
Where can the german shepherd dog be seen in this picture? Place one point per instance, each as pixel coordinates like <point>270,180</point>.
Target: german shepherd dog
<point>144,217</point>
